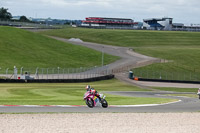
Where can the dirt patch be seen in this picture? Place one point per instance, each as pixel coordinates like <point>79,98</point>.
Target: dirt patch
<point>75,40</point>
<point>100,122</point>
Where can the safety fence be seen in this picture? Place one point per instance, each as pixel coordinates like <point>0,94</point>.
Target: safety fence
<point>54,73</point>
<point>131,65</point>
<point>164,75</point>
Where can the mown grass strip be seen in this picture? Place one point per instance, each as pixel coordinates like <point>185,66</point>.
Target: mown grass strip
<point>68,94</point>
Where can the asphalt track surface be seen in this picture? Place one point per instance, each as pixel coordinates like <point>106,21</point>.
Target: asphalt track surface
<point>185,105</point>
<point>128,58</point>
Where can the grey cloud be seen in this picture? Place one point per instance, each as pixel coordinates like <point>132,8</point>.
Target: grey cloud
<point>181,10</point>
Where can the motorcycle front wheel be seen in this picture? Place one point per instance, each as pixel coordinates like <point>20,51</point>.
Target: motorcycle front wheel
<point>104,103</point>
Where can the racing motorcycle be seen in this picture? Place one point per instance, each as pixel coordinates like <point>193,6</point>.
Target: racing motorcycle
<point>92,101</point>
<point>198,93</point>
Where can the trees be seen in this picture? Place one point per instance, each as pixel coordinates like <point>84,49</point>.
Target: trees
<point>24,19</point>
<point>4,14</point>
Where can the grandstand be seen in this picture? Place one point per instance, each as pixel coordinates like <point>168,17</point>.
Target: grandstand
<point>166,24</point>
<point>109,23</point>
<point>158,24</point>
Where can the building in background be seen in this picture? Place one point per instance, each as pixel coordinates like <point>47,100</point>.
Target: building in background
<point>108,23</point>
<point>164,23</point>
<point>167,24</point>
<point>158,23</point>
<point>182,27</point>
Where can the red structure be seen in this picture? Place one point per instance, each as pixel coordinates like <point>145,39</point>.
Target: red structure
<point>108,22</point>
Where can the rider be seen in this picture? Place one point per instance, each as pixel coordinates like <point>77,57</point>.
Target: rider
<point>198,91</point>
<point>93,91</point>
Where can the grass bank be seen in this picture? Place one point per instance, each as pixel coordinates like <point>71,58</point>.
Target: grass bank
<point>30,50</point>
<point>68,94</point>
<point>181,48</point>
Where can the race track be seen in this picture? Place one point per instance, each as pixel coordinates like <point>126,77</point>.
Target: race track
<point>128,59</point>
<point>185,105</point>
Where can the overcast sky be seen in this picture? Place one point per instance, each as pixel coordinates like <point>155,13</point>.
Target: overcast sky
<point>183,11</point>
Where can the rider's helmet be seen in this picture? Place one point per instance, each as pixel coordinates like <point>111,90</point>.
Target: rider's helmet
<point>87,87</point>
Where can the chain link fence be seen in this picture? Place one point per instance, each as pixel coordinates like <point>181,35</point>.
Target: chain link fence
<point>54,73</point>
<point>183,76</point>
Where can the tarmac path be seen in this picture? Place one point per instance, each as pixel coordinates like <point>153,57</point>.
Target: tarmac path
<point>128,57</point>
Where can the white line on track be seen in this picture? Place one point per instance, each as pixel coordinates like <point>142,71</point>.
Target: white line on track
<point>68,106</point>
<point>144,105</point>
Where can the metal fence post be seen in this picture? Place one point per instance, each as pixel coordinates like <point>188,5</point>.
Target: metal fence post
<point>36,73</point>
<point>42,72</point>
<point>68,73</point>
<point>58,72</point>
<point>21,71</point>
<point>84,73</point>
<point>76,73</point>
<point>53,73</point>
<point>7,73</point>
<point>63,73</point>
<point>47,72</point>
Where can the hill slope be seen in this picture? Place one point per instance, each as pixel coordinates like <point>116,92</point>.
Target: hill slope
<point>182,48</point>
<point>26,49</point>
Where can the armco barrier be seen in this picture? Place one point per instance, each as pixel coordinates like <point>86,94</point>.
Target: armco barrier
<point>169,81</point>
<point>57,80</point>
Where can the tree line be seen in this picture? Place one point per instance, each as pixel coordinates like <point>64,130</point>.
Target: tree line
<point>7,16</point>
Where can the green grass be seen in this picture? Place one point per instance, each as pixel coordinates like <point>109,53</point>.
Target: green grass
<point>122,100</point>
<point>68,94</point>
<point>30,50</point>
<point>177,89</point>
<point>182,48</point>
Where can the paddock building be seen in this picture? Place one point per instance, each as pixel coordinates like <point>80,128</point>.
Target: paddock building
<point>182,27</point>
<point>167,24</point>
<point>158,24</point>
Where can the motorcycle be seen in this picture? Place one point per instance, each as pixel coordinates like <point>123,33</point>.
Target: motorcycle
<point>92,101</point>
<point>198,93</point>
